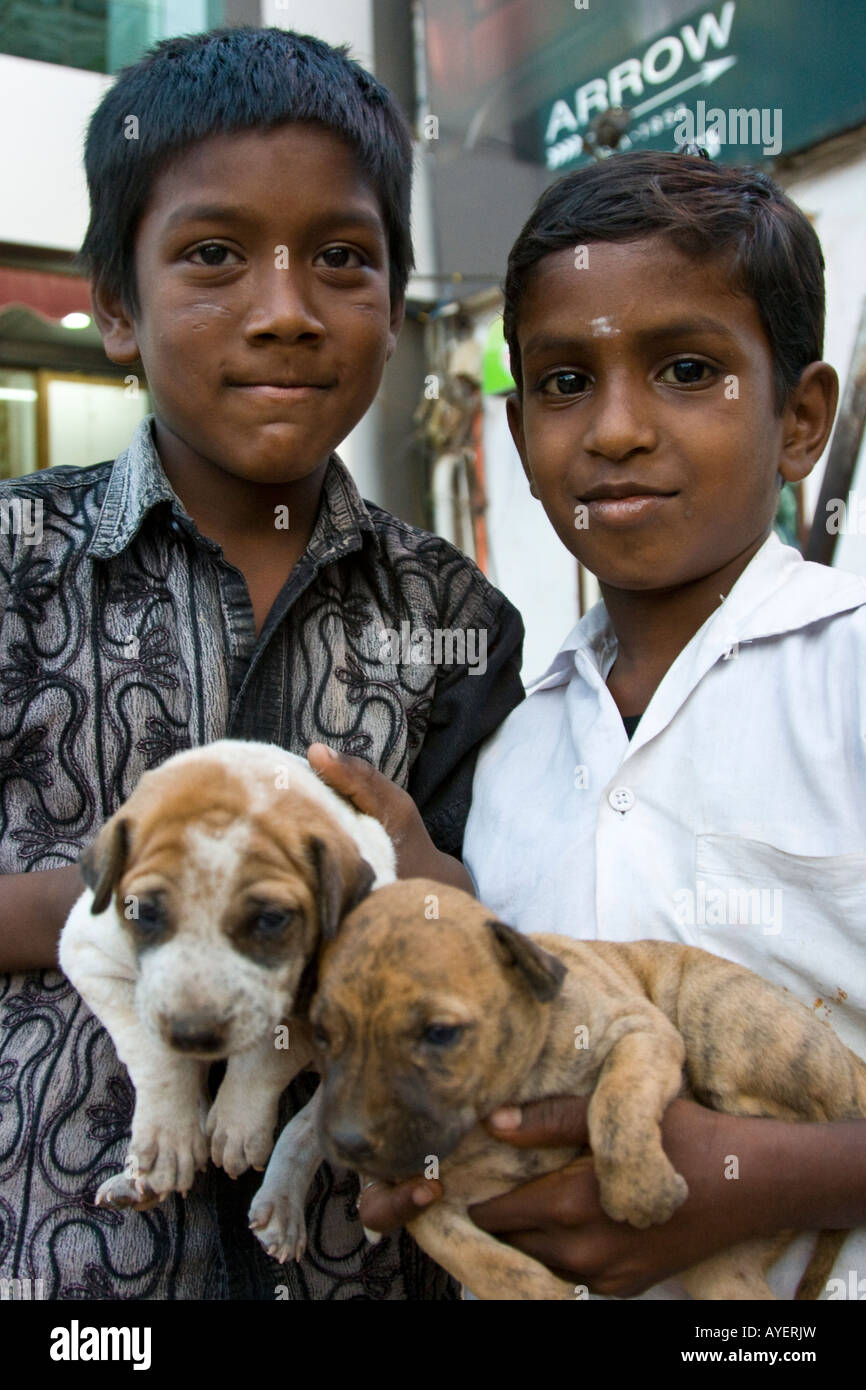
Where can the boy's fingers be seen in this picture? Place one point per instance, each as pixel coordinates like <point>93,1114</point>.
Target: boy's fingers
<point>559,1120</point>
<point>388,1206</point>
<point>566,1197</point>
<point>352,777</point>
<point>369,790</point>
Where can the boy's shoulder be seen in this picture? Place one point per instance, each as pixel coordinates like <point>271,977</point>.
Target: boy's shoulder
<point>50,513</point>
<point>780,592</point>
<point>60,477</point>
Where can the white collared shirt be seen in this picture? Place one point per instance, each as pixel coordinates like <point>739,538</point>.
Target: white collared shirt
<point>734,820</point>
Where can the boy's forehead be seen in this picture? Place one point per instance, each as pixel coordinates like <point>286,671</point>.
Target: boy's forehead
<point>606,289</point>
<point>267,163</point>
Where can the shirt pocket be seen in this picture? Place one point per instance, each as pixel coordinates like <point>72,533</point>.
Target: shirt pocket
<point>797,920</point>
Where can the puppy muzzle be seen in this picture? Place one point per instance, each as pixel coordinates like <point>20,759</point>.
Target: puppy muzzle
<point>201,1035</point>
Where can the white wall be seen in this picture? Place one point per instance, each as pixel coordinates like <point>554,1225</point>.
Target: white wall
<point>44,110</point>
<point>90,421</point>
<point>837,200</point>
<point>527,560</point>
<point>335,21</point>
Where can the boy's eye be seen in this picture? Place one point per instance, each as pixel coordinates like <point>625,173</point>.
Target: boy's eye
<point>212,253</point>
<point>688,371</point>
<point>564,384</point>
<point>341,258</point>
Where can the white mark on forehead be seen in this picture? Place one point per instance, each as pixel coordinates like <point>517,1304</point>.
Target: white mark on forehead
<point>216,853</point>
<point>603,328</point>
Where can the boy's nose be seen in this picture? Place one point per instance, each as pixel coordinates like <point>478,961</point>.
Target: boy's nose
<point>619,422</point>
<point>282,307</point>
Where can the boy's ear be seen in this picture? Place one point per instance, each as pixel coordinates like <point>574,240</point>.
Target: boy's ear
<point>514,411</point>
<point>398,313</point>
<point>115,326</point>
<point>807,420</point>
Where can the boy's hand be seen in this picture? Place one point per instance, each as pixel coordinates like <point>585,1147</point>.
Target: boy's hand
<point>371,793</point>
<point>386,1206</point>
<point>558,1220</point>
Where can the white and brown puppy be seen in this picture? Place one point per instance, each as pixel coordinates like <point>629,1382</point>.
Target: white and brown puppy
<point>207,895</point>
<point>425,1027</point>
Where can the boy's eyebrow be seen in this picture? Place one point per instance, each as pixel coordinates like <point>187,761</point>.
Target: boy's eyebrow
<point>677,328</point>
<point>225,212</point>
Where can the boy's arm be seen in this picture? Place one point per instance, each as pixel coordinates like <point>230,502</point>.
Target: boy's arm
<point>801,1177</point>
<point>33,909</point>
<point>790,1177</point>
<point>33,906</point>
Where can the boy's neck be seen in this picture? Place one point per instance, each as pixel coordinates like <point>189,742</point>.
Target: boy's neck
<point>653,628</point>
<point>240,515</point>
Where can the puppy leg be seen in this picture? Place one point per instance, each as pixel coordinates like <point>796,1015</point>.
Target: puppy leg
<point>168,1142</point>
<point>738,1273</point>
<point>277,1211</point>
<point>488,1268</point>
<point>640,1076</point>
<point>243,1116</point>
<point>122,1192</point>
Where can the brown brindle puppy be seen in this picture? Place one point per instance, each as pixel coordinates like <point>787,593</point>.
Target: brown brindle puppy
<point>426,1026</point>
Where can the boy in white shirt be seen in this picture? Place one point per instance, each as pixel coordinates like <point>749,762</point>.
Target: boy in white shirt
<point>692,766</point>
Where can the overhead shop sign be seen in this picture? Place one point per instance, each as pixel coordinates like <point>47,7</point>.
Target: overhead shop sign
<point>748,79</point>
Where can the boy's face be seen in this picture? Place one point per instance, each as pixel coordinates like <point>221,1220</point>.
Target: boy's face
<point>646,424</point>
<point>265,319</point>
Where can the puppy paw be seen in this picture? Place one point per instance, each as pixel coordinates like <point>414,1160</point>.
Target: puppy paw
<point>165,1157</point>
<point>646,1199</point>
<point>277,1221</point>
<point>240,1140</point>
<point>121,1193</point>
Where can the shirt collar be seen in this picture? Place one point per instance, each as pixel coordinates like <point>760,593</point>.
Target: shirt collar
<point>777,592</point>
<point>138,483</point>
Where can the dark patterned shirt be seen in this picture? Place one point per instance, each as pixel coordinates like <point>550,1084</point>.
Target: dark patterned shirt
<point>125,636</point>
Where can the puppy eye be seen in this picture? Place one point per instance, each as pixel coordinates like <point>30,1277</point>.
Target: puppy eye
<point>321,1036</point>
<point>443,1034</point>
<point>271,924</point>
<point>151,916</point>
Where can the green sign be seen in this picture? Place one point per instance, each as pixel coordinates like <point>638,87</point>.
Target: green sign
<point>749,79</point>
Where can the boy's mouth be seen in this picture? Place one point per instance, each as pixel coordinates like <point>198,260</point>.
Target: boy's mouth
<point>281,388</point>
<point>623,502</point>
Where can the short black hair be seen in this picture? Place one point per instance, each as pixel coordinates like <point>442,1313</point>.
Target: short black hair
<point>706,209</point>
<point>185,89</point>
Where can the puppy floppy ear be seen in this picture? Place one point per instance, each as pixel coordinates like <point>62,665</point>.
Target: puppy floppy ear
<point>103,862</point>
<point>342,883</point>
<point>542,972</point>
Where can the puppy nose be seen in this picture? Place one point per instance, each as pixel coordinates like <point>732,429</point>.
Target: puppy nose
<point>196,1033</point>
<point>351,1144</point>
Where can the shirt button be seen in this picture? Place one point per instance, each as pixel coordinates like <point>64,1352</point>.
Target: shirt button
<point>621,798</point>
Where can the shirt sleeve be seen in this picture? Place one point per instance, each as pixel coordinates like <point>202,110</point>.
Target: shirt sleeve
<point>469,704</point>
